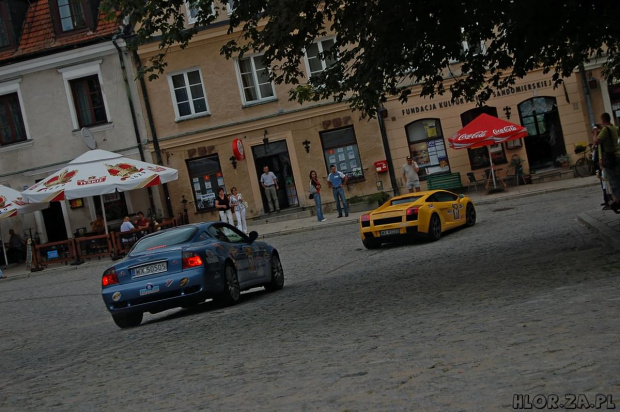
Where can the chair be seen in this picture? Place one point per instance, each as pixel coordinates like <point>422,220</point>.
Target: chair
<point>472,180</point>
<point>515,170</point>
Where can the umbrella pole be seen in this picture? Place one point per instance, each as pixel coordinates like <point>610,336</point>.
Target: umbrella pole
<point>492,168</point>
<point>6,259</point>
<point>105,219</point>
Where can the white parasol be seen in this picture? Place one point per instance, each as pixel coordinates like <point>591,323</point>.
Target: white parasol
<point>98,172</point>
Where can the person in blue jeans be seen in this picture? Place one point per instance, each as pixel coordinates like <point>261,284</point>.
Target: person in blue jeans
<point>336,181</point>
<point>315,191</point>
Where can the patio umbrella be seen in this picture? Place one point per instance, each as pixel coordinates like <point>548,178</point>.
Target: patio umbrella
<point>11,205</point>
<point>486,130</point>
<point>99,172</point>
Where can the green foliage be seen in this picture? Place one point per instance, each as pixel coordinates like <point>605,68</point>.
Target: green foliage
<point>380,197</point>
<point>385,47</point>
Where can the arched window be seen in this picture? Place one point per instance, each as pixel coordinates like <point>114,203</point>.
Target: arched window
<point>427,146</point>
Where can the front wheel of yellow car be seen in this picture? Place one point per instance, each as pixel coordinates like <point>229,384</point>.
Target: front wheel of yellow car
<point>434,228</point>
<point>470,215</point>
<point>371,243</point>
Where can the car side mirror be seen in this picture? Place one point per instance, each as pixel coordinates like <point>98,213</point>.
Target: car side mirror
<point>461,196</point>
<point>253,236</point>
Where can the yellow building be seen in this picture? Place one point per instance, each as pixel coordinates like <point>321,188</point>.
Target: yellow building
<point>220,121</point>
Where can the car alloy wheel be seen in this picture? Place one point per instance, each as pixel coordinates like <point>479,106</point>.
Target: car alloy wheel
<point>232,290</point>
<point>470,214</point>
<point>434,228</point>
<point>277,275</point>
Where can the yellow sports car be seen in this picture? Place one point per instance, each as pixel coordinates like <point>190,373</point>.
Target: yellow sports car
<point>432,213</point>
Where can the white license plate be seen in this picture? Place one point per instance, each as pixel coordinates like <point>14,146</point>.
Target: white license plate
<point>150,269</point>
<point>389,232</point>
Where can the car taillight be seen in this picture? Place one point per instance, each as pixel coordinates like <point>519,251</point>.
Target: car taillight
<point>366,217</point>
<point>412,213</point>
<point>109,278</point>
<point>191,260</point>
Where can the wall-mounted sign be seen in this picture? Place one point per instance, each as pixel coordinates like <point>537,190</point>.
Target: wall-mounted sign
<point>238,149</point>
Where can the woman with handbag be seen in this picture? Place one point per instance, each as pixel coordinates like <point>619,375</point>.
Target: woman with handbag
<point>315,193</point>
<point>239,206</point>
<point>222,204</point>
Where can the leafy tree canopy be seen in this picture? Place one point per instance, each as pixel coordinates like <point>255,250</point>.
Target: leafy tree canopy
<point>383,46</point>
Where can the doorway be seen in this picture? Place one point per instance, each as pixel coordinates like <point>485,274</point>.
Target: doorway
<point>275,156</point>
<point>54,222</point>
<point>545,140</point>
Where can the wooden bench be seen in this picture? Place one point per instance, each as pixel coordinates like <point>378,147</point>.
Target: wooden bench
<point>448,181</point>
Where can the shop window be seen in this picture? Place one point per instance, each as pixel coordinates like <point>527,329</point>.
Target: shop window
<point>188,94</point>
<point>12,127</point>
<point>340,149</point>
<point>206,177</point>
<point>254,80</point>
<point>427,146</point>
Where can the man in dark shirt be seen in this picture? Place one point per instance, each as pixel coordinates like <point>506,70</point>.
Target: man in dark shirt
<point>15,252</point>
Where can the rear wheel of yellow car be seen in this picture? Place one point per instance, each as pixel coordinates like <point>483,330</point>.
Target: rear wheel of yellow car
<point>434,228</point>
<point>470,215</point>
<point>371,243</point>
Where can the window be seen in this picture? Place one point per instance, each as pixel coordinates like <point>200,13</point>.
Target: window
<point>206,176</point>
<point>427,146</point>
<point>72,14</point>
<point>316,62</point>
<point>115,206</point>
<point>466,46</point>
<point>340,149</point>
<point>12,128</point>
<point>5,33</point>
<point>88,100</point>
<point>188,94</point>
<point>193,10</point>
<point>230,6</point>
<point>254,80</point>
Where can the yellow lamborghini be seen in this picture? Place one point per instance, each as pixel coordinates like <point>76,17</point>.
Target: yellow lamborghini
<point>432,213</point>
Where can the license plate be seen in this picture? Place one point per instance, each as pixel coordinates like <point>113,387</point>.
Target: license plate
<point>150,269</point>
<point>389,232</point>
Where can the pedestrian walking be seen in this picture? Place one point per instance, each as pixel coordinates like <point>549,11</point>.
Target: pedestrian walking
<point>315,193</point>
<point>609,162</point>
<point>336,180</point>
<point>222,204</point>
<point>269,181</point>
<point>238,205</point>
<point>410,175</point>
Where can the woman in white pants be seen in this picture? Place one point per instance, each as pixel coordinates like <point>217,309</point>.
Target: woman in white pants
<point>236,201</point>
<point>222,204</point>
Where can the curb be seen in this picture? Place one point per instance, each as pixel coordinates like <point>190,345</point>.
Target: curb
<point>306,228</point>
<point>610,235</point>
<point>532,193</point>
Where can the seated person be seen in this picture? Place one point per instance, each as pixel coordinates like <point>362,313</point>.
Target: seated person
<point>126,225</point>
<point>98,225</point>
<point>16,251</point>
<point>142,222</point>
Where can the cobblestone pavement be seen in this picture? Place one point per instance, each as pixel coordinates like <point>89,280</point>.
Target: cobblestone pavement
<point>525,302</point>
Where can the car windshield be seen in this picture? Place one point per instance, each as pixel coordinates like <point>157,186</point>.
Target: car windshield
<point>402,200</point>
<point>164,239</point>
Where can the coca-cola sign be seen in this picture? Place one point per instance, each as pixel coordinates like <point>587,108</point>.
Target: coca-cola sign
<point>505,129</point>
<point>470,136</point>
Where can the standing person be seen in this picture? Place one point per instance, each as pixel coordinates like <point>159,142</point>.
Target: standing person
<point>599,173</point>
<point>16,251</point>
<point>238,205</point>
<point>315,191</point>
<point>270,184</point>
<point>336,180</point>
<point>410,175</point>
<point>609,161</point>
<point>222,204</point>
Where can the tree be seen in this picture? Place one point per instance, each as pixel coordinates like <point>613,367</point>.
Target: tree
<point>387,48</point>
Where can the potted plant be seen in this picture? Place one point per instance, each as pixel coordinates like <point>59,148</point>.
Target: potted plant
<point>563,160</point>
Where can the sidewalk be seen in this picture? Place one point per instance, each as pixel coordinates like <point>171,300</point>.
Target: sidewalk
<point>606,223</point>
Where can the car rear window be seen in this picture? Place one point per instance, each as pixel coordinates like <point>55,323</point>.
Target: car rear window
<point>166,238</point>
<point>408,199</point>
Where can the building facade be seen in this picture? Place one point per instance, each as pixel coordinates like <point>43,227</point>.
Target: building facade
<point>62,70</point>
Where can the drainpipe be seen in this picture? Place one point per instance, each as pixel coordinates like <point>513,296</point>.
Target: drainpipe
<point>386,147</point>
<point>133,113</point>
<point>149,115</point>
<point>586,91</point>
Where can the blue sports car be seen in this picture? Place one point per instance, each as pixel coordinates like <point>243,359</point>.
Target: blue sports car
<point>184,266</point>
